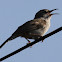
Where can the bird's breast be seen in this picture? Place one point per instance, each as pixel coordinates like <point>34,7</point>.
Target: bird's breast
<point>46,27</point>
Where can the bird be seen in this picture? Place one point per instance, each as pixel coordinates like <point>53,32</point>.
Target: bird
<point>33,29</point>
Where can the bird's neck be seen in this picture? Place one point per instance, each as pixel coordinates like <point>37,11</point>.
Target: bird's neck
<point>46,19</point>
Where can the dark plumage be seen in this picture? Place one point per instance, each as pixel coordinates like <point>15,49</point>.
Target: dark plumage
<point>35,28</point>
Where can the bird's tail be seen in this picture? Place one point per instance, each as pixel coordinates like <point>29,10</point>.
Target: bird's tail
<point>10,38</point>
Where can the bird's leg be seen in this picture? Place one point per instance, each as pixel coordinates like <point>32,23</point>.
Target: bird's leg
<point>28,42</point>
<point>42,39</point>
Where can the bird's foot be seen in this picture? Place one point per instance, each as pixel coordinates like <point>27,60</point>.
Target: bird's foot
<point>42,40</point>
<point>29,42</point>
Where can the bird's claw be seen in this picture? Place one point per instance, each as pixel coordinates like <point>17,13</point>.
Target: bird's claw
<point>29,43</point>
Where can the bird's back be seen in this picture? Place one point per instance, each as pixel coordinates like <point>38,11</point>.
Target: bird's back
<point>32,29</point>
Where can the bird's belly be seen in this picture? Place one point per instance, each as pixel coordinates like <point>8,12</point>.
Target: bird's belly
<point>39,32</point>
<point>45,29</point>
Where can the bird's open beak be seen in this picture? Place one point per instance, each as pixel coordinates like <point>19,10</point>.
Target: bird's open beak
<point>52,11</point>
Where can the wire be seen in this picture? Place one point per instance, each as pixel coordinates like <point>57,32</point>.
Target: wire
<point>30,44</point>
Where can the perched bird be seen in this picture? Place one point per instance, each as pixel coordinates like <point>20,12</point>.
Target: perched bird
<point>35,28</point>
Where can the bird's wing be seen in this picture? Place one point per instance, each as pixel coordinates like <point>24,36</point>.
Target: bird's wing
<point>30,26</point>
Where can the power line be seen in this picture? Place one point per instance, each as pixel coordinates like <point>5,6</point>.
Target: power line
<point>32,43</point>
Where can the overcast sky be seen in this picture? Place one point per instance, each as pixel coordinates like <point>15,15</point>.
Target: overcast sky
<point>14,13</point>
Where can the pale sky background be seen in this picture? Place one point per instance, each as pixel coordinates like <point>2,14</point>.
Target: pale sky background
<point>14,13</point>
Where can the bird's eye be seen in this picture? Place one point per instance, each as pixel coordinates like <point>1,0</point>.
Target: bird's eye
<point>44,11</point>
<point>47,10</point>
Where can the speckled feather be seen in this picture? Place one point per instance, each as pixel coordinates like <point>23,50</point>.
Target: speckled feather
<point>32,29</point>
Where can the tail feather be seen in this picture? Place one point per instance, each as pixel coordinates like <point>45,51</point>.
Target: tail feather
<point>13,36</point>
<point>10,38</point>
<point>5,42</point>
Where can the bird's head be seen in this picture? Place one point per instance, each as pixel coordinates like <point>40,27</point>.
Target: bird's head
<point>45,13</point>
